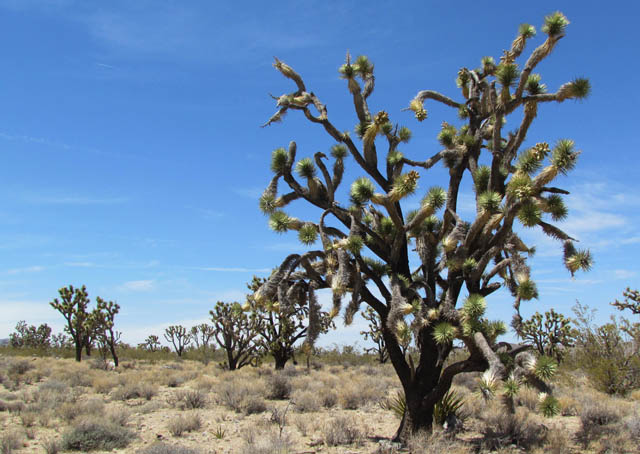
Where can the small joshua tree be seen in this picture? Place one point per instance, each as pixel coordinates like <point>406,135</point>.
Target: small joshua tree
<point>284,321</point>
<point>179,337</point>
<point>236,333</point>
<point>367,240</point>
<point>151,343</point>
<point>202,335</point>
<point>551,335</point>
<point>31,337</point>
<point>374,332</point>
<point>403,333</point>
<point>73,305</point>
<point>108,338</point>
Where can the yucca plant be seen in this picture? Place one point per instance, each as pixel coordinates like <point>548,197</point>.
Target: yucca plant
<point>450,405</point>
<point>434,254</point>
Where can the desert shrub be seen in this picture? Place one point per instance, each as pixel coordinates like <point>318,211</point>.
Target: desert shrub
<point>278,386</point>
<point>78,378</point>
<point>14,406</point>
<point>272,443</point>
<point>252,404</point>
<point>28,418</point>
<point>189,399</point>
<point>50,446</point>
<point>632,426</point>
<point>96,435</point>
<point>19,367</point>
<point>173,380</point>
<point>184,423</point>
<point>119,416</point>
<point>306,401</point>
<point>557,441</point>
<point>501,429</point>
<point>342,431</point>
<point>104,384</point>
<point>329,399</point>
<point>165,448</point>
<point>232,395</point>
<point>9,441</point>
<point>527,397</point>
<point>597,418</point>
<point>436,443</point>
<point>205,384</point>
<point>135,391</point>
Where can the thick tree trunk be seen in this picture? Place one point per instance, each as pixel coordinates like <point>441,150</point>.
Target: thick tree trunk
<point>79,348</point>
<point>418,415</point>
<point>231,360</point>
<point>280,359</point>
<point>114,355</point>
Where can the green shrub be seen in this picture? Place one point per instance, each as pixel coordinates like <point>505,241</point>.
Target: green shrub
<point>96,435</point>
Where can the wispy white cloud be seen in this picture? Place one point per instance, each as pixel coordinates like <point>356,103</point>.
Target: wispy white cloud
<point>28,269</point>
<point>251,193</point>
<point>81,264</point>
<point>624,274</point>
<point>138,286</point>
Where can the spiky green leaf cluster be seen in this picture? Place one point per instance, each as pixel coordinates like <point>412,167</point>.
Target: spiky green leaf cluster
<point>474,307</point>
<point>549,406</point>
<point>490,201</point>
<point>450,405</point>
<point>529,162</point>
<point>520,186</point>
<point>512,386</point>
<point>279,221</point>
<point>507,74</point>
<point>469,265</point>
<point>580,88</point>
<point>387,227</point>
<point>405,185</point>
<point>527,290</point>
<point>554,24</point>
<point>394,157</point>
<point>435,198</point>
<point>545,367</point>
<point>404,134</point>
<point>447,136</point>
<point>580,260</point>
<point>308,234</point>
<point>267,203</point>
<point>361,129</point>
<point>444,333</point>
<point>279,160</point>
<point>556,207</point>
<point>306,168</point>
<point>354,244</point>
<point>488,65</point>
<point>564,157</point>
<point>533,85</point>
<point>526,31</point>
<point>481,178</point>
<point>362,189</point>
<point>529,214</point>
<point>339,151</point>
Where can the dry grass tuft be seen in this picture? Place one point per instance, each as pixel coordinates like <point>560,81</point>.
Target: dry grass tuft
<point>343,430</point>
<point>184,423</point>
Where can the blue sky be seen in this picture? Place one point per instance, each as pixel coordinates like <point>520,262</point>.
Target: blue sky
<point>132,156</point>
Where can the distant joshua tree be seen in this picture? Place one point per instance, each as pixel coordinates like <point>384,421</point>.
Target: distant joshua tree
<point>236,333</point>
<point>374,332</point>
<point>550,335</point>
<point>202,335</point>
<point>29,336</point>
<point>107,336</point>
<point>631,301</point>
<point>283,321</point>
<point>367,240</point>
<point>151,343</point>
<point>179,337</point>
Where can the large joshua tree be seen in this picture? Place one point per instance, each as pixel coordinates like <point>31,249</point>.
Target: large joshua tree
<point>367,241</point>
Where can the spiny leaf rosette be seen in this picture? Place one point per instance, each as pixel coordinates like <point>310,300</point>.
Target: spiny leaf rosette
<point>368,240</point>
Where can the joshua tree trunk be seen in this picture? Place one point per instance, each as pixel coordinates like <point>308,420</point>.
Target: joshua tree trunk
<point>231,360</point>
<point>112,348</point>
<point>79,348</point>
<point>281,360</point>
